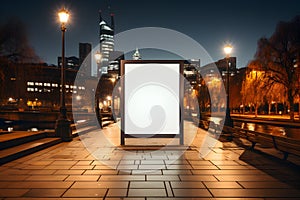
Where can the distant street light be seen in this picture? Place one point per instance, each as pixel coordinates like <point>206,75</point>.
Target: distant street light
<point>98,58</point>
<point>62,127</point>
<point>228,50</point>
<point>228,120</point>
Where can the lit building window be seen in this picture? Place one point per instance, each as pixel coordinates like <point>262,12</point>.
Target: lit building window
<point>30,83</point>
<point>38,84</point>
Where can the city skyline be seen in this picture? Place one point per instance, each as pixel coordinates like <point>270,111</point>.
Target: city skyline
<point>211,24</point>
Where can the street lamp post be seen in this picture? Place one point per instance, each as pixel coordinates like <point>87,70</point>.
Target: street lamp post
<point>62,127</point>
<point>98,58</point>
<point>113,80</point>
<point>228,120</point>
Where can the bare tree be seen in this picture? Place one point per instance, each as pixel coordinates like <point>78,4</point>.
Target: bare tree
<point>279,56</point>
<point>254,87</point>
<point>14,43</point>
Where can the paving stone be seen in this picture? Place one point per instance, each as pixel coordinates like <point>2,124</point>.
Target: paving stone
<point>84,162</point>
<point>262,184</point>
<point>64,163</point>
<point>191,193</point>
<point>197,178</point>
<point>147,184</point>
<point>82,178</point>
<point>176,162</point>
<point>244,178</point>
<point>120,167</point>
<point>45,192</point>
<point>186,185</point>
<point>85,192</point>
<point>152,162</point>
<point>12,192</point>
<point>100,172</point>
<point>162,178</point>
<point>57,167</point>
<point>82,167</point>
<point>153,167</point>
<point>215,184</point>
<point>103,167</point>
<point>42,171</point>
<point>103,184</point>
<point>147,171</point>
<point>16,172</point>
<point>173,171</point>
<point>233,167</point>
<point>179,167</point>
<point>147,193</point>
<point>39,184</point>
<point>122,178</point>
<point>117,193</point>
<point>127,162</point>
<point>228,172</point>
<point>128,198</point>
<point>200,162</point>
<point>46,178</point>
<point>13,177</point>
<point>204,167</point>
<point>43,163</point>
<point>73,171</point>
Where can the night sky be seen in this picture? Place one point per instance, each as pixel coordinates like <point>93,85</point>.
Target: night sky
<point>211,23</point>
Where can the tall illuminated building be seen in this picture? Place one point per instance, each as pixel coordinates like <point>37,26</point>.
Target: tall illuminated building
<point>106,39</point>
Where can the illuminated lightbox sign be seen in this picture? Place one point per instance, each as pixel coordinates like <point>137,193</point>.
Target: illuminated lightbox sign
<point>152,93</point>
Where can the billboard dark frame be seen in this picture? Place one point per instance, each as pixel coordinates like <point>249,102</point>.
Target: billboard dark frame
<point>124,135</point>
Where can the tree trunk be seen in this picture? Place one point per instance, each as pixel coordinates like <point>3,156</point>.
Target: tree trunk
<point>256,109</point>
<point>284,109</point>
<point>291,103</point>
<point>276,108</point>
<point>299,110</point>
<point>269,108</point>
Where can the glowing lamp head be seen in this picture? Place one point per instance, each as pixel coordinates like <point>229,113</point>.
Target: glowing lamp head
<point>113,80</point>
<point>63,16</point>
<point>228,49</point>
<point>98,56</point>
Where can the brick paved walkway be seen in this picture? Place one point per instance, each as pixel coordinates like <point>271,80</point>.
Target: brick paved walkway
<point>70,171</point>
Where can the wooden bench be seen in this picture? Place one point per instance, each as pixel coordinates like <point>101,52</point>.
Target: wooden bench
<point>285,145</point>
<point>224,133</point>
<point>288,146</point>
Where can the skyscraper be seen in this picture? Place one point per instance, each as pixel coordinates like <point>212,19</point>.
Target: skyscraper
<point>106,39</point>
<point>85,58</point>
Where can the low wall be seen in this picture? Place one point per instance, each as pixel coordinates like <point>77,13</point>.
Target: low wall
<point>40,120</point>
